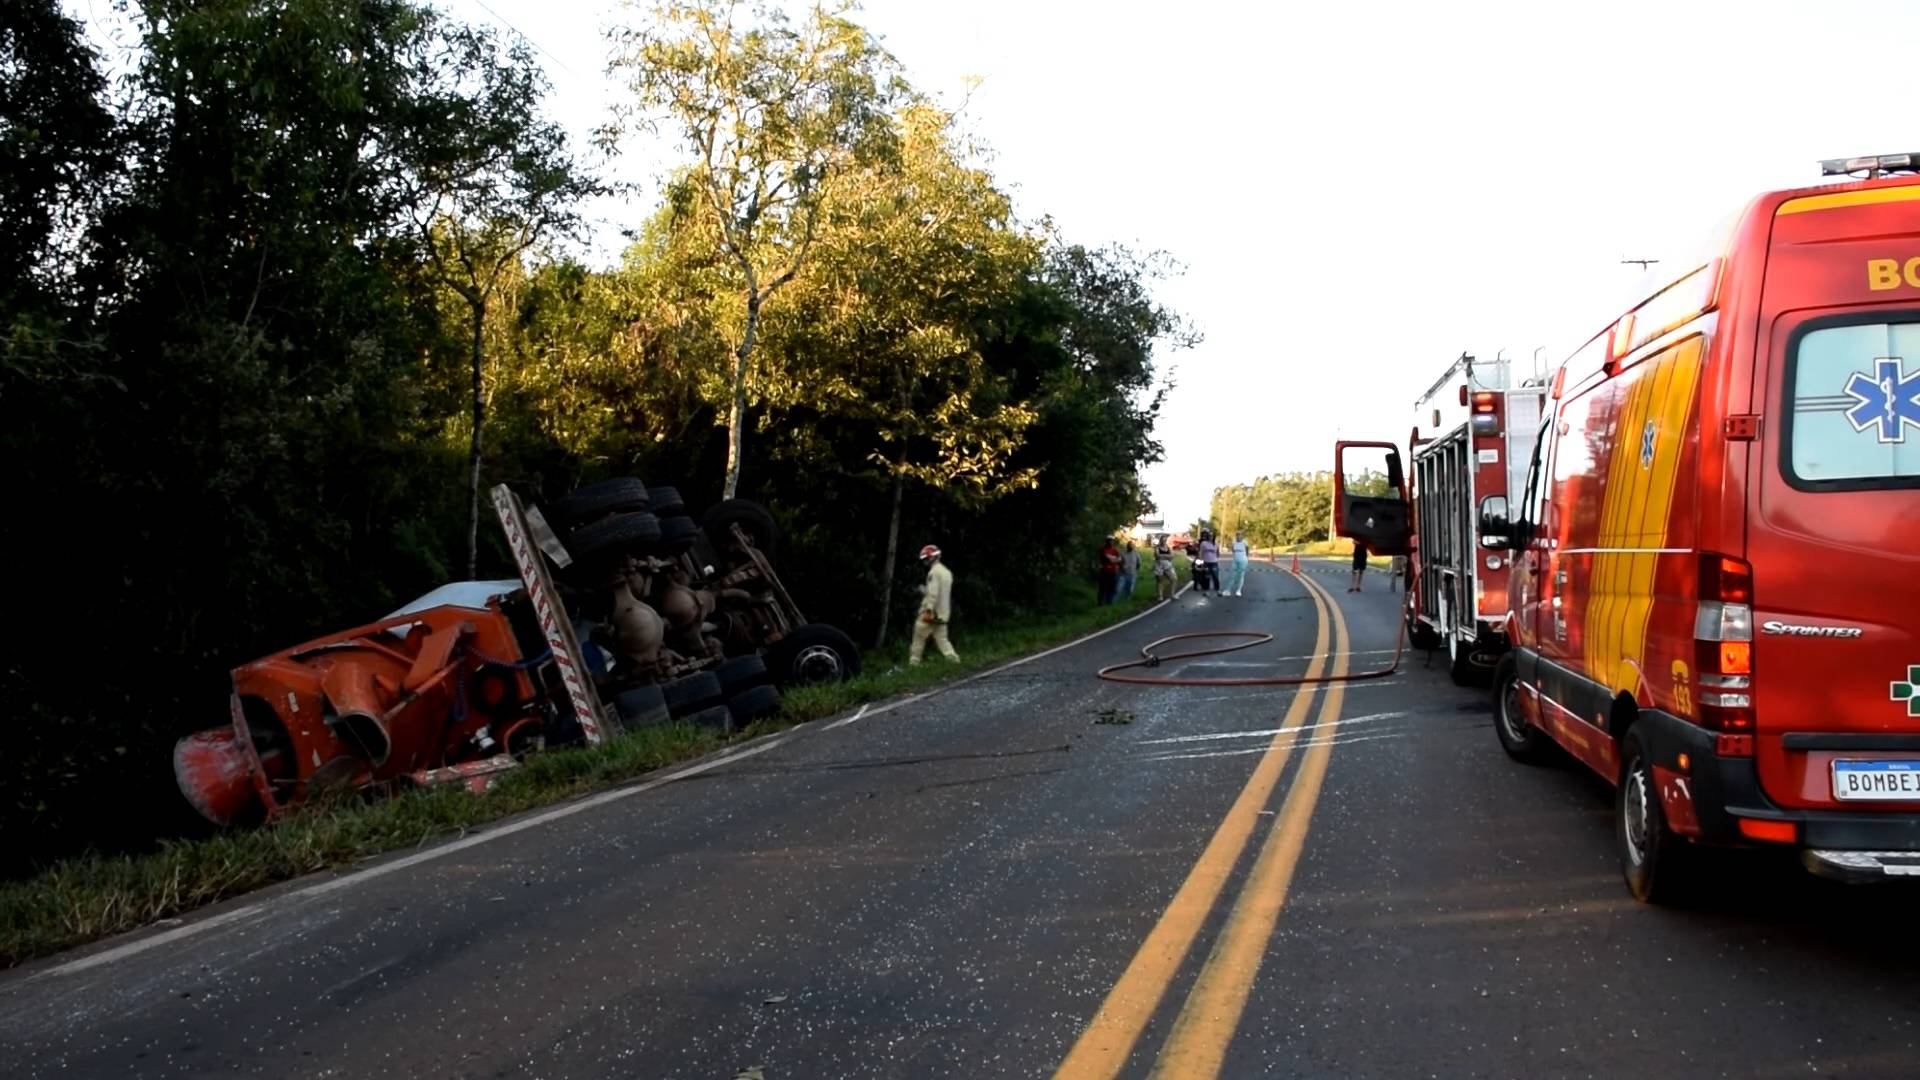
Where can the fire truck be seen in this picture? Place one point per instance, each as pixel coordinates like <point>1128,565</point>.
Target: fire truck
<point>1473,435</point>
<point>1472,438</point>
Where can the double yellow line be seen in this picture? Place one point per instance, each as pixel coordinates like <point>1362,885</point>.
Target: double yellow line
<point>1197,1044</point>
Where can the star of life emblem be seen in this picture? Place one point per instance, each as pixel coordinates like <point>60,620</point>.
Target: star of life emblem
<point>1886,401</point>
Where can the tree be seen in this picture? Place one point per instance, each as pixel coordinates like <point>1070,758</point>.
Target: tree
<point>775,116</point>
<point>914,254</point>
<point>497,180</point>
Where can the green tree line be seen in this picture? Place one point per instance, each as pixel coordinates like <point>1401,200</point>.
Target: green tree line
<point>293,287</point>
<point>1275,511</point>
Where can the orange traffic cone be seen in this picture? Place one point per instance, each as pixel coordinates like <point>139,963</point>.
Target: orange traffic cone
<point>1296,562</point>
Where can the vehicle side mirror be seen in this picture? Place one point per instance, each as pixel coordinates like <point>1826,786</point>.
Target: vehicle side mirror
<point>1396,476</point>
<point>1496,529</point>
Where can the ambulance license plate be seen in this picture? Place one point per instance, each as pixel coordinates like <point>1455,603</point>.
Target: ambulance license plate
<point>1876,781</point>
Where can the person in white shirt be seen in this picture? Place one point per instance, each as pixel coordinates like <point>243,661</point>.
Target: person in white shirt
<point>1236,583</point>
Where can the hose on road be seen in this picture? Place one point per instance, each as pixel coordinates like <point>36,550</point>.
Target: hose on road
<point>1149,658</point>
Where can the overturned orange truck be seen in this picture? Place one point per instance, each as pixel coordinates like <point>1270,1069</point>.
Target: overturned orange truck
<point>626,614</point>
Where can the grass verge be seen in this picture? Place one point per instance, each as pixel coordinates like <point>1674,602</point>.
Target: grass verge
<point>90,897</point>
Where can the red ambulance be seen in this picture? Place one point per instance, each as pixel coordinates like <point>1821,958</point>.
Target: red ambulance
<point>1716,600</point>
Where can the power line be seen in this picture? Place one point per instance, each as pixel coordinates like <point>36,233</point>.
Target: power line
<point>502,19</point>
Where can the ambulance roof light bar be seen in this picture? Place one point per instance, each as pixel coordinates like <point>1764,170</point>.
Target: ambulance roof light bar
<point>1874,166</point>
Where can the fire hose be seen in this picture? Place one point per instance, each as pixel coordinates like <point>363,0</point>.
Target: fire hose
<point>1149,658</point>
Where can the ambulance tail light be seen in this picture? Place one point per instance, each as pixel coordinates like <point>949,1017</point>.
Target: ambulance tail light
<point>1723,643</point>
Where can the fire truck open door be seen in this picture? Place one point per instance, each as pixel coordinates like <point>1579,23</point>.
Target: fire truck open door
<point>1370,496</point>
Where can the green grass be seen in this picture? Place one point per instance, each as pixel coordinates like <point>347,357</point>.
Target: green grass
<point>93,896</point>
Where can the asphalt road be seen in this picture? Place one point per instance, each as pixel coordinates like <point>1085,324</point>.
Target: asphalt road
<point>1034,873</point>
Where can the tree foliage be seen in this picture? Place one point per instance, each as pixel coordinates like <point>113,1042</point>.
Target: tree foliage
<point>774,115</point>
<point>1276,511</point>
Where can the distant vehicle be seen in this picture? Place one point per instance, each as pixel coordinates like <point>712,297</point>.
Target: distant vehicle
<point>1180,542</point>
<point>1717,602</point>
<point>1473,434</point>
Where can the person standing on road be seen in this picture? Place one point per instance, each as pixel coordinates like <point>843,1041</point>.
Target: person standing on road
<point>1237,571</point>
<point>1359,564</point>
<point>1207,577</point>
<point>1109,571</point>
<point>1165,582</point>
<point>1129,573</point>
<point>936,608</point>
<point>1398,573</point>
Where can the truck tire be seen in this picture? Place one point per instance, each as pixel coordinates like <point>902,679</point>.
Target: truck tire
<point>666,502</point>
<point>642,706</point>
<point>741,673</point>
<point>1521,740</point>
<point>813,653</point>
<point>616,535</point>
<point>1657,862</point>
<point>716,717</point>
<point>688,695</point>
<point>752,518</point>
<point>1461,668</point>
<point>753,703</point>
<point>622,495</point>
<point>677,535</point>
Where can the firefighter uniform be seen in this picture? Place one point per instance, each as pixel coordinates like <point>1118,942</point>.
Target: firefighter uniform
<point>936,608</point>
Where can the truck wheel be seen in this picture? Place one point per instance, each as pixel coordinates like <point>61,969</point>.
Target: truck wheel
<point>642,706</point>
<point>615,535</point>
<point>741,673</point>
<point>715,716</point>
<point>752,518</point>
<point>1521,740</point>
<point>1655,860</point>
<point>1461,668</point>
<point>753,703</point>
<point>622,495</point>
<point>688,695</point>
<point>1419,634</point>
<point>813,653</point>
<point>677,535</point>
<point>666,502</point>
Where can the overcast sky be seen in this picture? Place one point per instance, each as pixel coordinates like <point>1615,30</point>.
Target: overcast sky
<point>1360,192</point>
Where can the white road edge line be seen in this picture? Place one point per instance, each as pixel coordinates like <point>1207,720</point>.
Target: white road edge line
<point>350,878</point>
<point>134,948</point>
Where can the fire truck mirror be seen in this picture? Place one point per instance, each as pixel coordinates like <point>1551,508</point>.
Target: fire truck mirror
<point>1496,528</point>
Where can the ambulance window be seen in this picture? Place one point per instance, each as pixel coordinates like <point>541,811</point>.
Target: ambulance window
<point>1856,406</point>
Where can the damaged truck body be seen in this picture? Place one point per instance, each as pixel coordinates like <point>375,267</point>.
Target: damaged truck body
<point>626,614</point>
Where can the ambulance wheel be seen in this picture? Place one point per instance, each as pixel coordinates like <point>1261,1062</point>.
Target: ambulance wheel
<point>1520,739</point>
<point>1656,861</point>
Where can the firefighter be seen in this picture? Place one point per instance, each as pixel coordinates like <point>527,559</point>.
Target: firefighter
<point>936,607</point>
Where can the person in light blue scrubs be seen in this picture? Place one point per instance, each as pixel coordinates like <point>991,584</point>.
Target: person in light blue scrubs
<point>1236,582</point>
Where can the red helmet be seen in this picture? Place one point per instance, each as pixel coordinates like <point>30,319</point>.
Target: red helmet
<point>930,552</point>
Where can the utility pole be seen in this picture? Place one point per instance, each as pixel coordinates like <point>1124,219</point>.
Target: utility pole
<point>1642,263</point>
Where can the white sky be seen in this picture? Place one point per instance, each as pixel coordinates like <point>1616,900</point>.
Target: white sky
<point>1360,192</point>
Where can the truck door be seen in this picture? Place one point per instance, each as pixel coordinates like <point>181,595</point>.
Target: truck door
<point>1835,554</point>
<point>1370,496</point>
